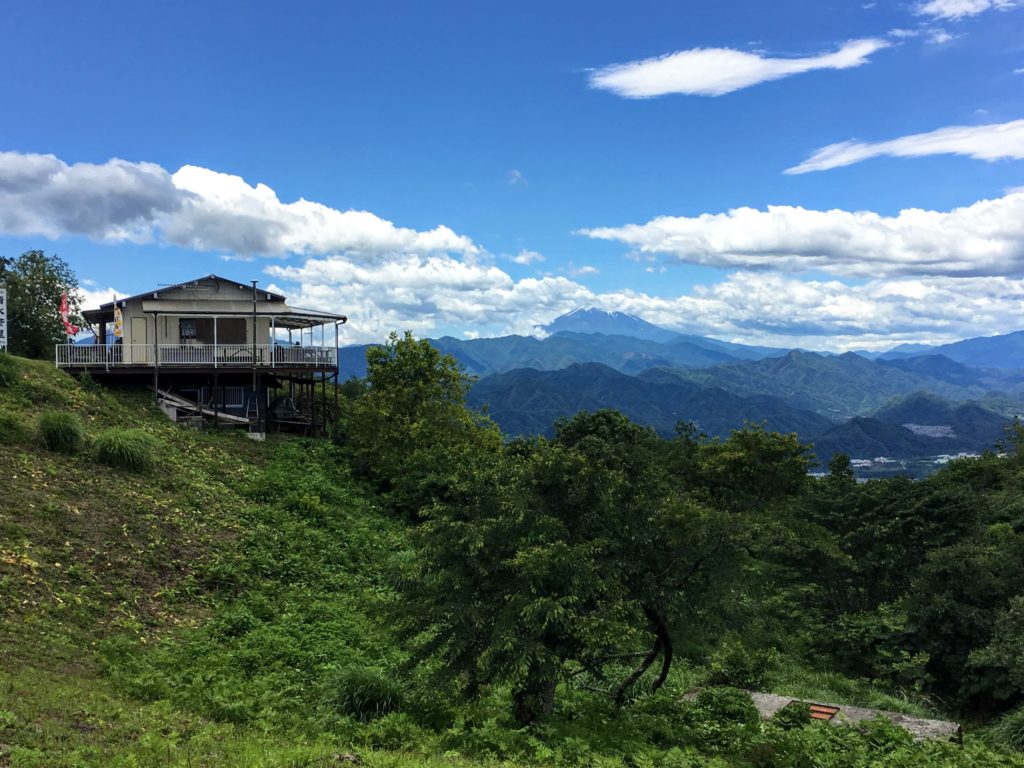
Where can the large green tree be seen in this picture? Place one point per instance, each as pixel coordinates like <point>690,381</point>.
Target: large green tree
<point>411,430</point>
<point>578,558</point>
<point>35,282</point>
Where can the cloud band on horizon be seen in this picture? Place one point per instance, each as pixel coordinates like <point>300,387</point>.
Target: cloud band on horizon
<point>982,239</point>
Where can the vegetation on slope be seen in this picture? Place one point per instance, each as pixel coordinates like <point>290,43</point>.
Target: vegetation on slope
<point>415,590</point>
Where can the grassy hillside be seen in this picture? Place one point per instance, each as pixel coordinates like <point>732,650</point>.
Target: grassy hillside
<point>236,605</point>
<point>98,563</point>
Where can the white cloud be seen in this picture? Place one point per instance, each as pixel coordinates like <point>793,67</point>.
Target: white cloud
<point>1019,71</point>
<point>515,177</point>
<point>903,33</point>
<point>940,36</point>
<point>985,238</point>
<point>716,71</point>
<point>996,141</point>
<point>92,297</point>
<point>581,271</point>
<point>959,9</point>
<point>425,294</point>
<point>525,257</point>
<point>198,208</point>
<point>433,296</point>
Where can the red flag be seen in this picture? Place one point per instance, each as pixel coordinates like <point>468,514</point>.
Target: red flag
<point>65,313</point>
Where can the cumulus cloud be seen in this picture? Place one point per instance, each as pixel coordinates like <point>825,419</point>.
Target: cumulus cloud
<point>92,297</point>
<point>995,141</point>
<point>424,294</point>
<point>716,71</point>
<point>432,296</point>
<point>194,207</point>
<point>985,238</point>
<point>116,201</point>
<point>955,10</point>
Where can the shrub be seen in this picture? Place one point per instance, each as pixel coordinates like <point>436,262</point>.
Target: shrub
<point>1008,731</point>
<point>12,428</point>
<point>8,370</point>
<point>733,665</point>
<point>728,704</point>
<point>130,449</point>
<point>61,432</point>
<point>796,714</point>
<point>365,692</point>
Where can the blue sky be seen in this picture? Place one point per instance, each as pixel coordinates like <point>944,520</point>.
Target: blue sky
<point>477,168</point>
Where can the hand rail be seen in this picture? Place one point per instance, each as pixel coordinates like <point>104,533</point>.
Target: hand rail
<point>213,355</point>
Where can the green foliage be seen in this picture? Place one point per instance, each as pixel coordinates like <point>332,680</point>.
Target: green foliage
<point>728,704</point>
<point>250,615</point>
<point>1008,731</point>
<point>577,552</point>
<point>365,692</point>
<point>12,427</point>
<point>35,282</point>
<point>8,370</point>
<point>133,450</point>
<point>300,631</point>
<point>734,665</point>
<point>796,714</point>
<point>60,432</point>
<point>411,430</point>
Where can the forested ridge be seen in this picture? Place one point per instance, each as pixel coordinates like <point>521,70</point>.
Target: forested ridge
<point>418,590</point>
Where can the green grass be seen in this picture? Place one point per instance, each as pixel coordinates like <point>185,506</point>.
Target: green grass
<point>50,720</point>
<point>60,431</point>
<point>133,450</point>
<point>234,609</point>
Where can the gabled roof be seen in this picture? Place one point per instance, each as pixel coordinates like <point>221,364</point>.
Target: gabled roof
<point>238,304</point>
<point>155,293</point>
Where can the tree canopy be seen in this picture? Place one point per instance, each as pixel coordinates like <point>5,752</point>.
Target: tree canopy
<point>35,282</point>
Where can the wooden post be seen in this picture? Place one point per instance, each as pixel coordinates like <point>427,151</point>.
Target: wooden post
<point>101,338</point>
<point>337,368</point>
<point>156,356</point>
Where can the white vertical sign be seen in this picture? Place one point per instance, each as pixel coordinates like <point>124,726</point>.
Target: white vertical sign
<point>3,318</point>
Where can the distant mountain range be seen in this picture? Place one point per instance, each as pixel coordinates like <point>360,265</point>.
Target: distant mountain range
<point>910,401</point>
<point>528,401</point>
<point>1006,351</point>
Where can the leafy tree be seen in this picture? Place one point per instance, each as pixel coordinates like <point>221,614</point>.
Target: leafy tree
<point>411,429</point>
<point>960,601</point>
<point>35,283</point>
<point>998,668</point>
<point>754,469</point>
<point>563,559</point>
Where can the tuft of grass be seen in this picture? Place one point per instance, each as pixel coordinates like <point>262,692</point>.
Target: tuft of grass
<point>1008,731</point>
<point>133,450</point>
<point>60,432</point>
<point>365,692</point>
<point>12,428</point>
